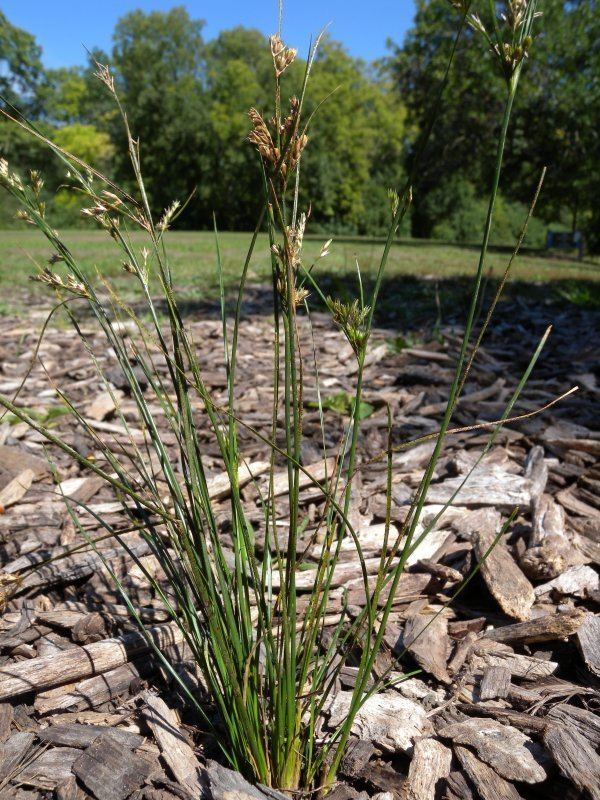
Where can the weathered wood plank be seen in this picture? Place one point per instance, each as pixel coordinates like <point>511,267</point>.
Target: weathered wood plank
<point>43,673</point>
<point>550,627</point>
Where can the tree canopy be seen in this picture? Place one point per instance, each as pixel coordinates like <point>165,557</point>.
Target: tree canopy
<point>555,123</point>
<point>187,100</point>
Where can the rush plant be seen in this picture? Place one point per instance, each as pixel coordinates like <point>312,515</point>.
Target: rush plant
<point>269,670</point>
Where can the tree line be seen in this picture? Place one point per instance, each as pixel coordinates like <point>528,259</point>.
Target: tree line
<point>187,100</point>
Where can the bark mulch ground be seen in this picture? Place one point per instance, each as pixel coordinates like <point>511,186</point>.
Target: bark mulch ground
<point>507,702</point>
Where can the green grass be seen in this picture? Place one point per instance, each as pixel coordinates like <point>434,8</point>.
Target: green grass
<point>194,261</point>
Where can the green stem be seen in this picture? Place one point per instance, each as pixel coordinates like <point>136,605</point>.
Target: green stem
<point>367,663</point>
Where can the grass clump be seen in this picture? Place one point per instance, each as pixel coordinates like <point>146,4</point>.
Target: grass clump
<point>268,668</point>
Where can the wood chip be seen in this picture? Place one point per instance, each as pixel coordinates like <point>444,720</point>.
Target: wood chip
<point>487,781</point>
<point>575,757</point>
<point>518,664</point>
<point>50,768</point>
<point>16,489</point>
<point>588,641</point>
<point>390,721</point>
<point>495,683</point>
<point>429,765</point>
<point>488,485</point>
<point>548,628</point>
<point>583,721</point>
<point>504,748</point>
<point>104,770</point>
<point>93,692</point>
<point>103,405</point>
<point>15,459</point>
<point>457,787</point>
<point>77,735</point>
<point>524,722</point>
<point>221,783</point>
<point>219,487</point>
<point>80,490</point>
<point>426,639</point>
<point>318,471</point>
<point>580,581</point>
<point>6,717</point>
<point>174,749</point>
<point>14,751</point>
<point>504,579</point>
<point>549,550</point>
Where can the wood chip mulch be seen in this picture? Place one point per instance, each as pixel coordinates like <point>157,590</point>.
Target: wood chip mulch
<point>507,704</point>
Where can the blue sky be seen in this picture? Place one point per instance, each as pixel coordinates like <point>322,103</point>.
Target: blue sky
<point>62,28</point>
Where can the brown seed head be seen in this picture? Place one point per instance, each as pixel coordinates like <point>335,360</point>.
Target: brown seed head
<point>282,55</point>
<point>261,138</point>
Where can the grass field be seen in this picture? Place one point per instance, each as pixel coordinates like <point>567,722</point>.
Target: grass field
<point>193,261</point>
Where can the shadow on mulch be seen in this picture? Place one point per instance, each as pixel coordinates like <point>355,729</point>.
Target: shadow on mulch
<point>407,303</point>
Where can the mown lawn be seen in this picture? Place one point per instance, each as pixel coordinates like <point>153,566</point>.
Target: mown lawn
<point>193,259</point>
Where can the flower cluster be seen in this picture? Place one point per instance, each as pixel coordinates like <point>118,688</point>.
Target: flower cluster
<point>461,5</point>
<point>28,194</point>
<point>71,284</point>
<point>8,584</point>
<point>512,41</point>
<point>282,55</point>
<point>353,321</point>
<point>290,253</point>
<point>7,178</point>
<point>104,76</point>
<point>282,158</point>
<point>168,216</point>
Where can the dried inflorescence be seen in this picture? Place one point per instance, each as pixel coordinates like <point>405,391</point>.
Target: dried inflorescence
<point>30,192</point>
<point>282,55</point>
<point>104,76</point>
<point>511,55</point>
<point>168,216</point>
<point>71,284</point>
<point>9,583</point>
<point>8,178</point>
<point>280,146</point>
<point>461,5</point>
<point>290,253</point>
<point>515,13</point>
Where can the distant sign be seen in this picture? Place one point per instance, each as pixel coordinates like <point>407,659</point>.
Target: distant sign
<point>565,240</point>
